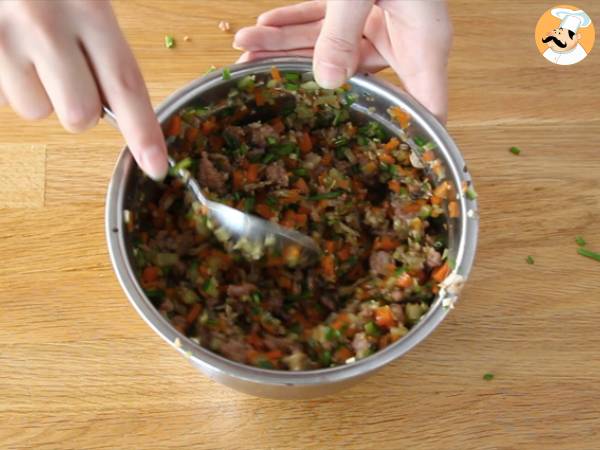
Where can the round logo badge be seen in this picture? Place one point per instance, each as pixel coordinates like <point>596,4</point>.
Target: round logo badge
<point>565,35</point>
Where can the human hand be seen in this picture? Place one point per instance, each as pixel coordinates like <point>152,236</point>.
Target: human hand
<point>413,37</point>
<point>68,55</point>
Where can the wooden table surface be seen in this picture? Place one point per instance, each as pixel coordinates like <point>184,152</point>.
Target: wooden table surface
<point>79,369</point>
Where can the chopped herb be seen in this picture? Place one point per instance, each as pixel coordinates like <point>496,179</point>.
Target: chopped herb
<point>580,241</point>
<point>183,164</point>
<point>421,142</point>
<point>530,260</point>
<point>471,194</point>
<point>515,150</point>
<point>269,157</point>
<point>249,204</point>
<point>226,73</point>
<point>301,172</point>
<point>291,86</point>
<point>291,76</point>
<point>271,140</point>
<point>169,41</point>
<point>372,329</point>
<point>588,253</point>
<point>341,141</point>
<point>326,195</point>
<point>488,376</point>
<point>326,358</point>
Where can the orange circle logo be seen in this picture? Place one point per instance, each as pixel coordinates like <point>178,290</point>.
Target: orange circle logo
<point>565,35</point>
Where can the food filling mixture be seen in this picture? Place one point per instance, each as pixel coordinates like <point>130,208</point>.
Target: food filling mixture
<point>282,148</point>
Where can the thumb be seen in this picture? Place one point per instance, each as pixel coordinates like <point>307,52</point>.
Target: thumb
<point>337,48</point>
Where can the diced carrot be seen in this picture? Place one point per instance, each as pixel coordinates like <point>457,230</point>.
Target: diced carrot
<point>274,355</point>
<point>278,125</point>
<point>344,253</point>
<point>285,282</point>
<point>404,281</point>
<point>453,209</point>
<point>394,186</point>
<point>342,354</point>
<point>238,180</point>
<point>291,196</point>
<point>384,317</point>
<point>328,266</point>
<point>428,156</point>
<point>304,210</point>
<point>326,159</point>
<point>216,142</point>
<point>301,219</point>
<point>435,200</point>
<point>341,320</point>
<point>289,215</point>
<point>369,168</point>
<point>301,185</point>
<point>386,158</point>
<point>402,117</point>
<point>343,183</point>
<point>259,98</point>
<point>254,340</point>
<point>252,173</point>
<point>413,207</point>
<point>386,243</point>
<point>191,134</point>
<point>441,191</point>
<point>264,210</point>
<point>305,143</point>
<point>391,144</point>
<point>208,126</point>
<point>275,73</point>
<point>435,289</point>
<point>274,261</point>
<point>193,313</point>
<point>174,126</point>
<point>329,246</point>
<point>441,272</point>
<point>150,274</point>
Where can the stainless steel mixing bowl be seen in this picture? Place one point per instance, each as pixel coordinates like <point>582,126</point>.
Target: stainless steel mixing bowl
<point>375,96</point>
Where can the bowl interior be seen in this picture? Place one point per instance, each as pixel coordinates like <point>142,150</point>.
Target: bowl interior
<point>374,97</point>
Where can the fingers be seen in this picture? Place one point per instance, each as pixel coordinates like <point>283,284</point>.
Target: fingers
<point>123,87</point>
<point>273,38</point>
<point>370,60</point>
<point>336,50</point>
<point>421,36</point>
<point>70,85</point>
<point>21,87</point>
<point>295,14</point>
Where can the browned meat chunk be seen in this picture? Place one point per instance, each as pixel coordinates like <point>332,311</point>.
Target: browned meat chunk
<point>380,262</point>
<point>209,176</point>
<point>277,173</point>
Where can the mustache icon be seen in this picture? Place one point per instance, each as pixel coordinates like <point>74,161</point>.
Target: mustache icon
<point>555,40</point>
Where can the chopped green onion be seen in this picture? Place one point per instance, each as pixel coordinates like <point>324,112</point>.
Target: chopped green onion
<point>269,157</point>
<point>256,297</point>
<point>169,41</point>
<point>155,294</point>
<point>326,358</point>
<point>183,164</point>
<point>264,364</point>
<point>326,195</point>
<point>291,86</point>
<point>515,150</point>
<point>471,194</point>
<point>212,68</point>
<point>341,141</point>
<point>301,172</point>
<point>588,253</point>
<point>249,203</point>
<point>291,76</point>
<point>246,83</point>
<point>580,241</point>
<point>530,260</point>
<point>429,146</point>
<point>272,202</point>
<point>421,142</point>
<point>488,376</point>
<point>226,73</point>
<point>372,329</point>
<point>271,140</point>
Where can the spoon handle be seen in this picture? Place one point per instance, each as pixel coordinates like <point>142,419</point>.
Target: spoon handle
<point>191,182</point>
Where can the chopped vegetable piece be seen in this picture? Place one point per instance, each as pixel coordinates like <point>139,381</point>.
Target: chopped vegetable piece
<point>588,253</point>
<point>326,195</point>
<point>530,259</point>
<point>226,73</point>
<point>515,150</point>
<point>580,241</point>
<point>471,194</point>
<point>488,376</point>
<point>169,41</point>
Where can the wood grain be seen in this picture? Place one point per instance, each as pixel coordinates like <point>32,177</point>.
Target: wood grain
<point>80,370</point>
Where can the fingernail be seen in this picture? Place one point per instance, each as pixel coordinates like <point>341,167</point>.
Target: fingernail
<point>329,76</point>
<point>237,47</point>
<point>154,163</point>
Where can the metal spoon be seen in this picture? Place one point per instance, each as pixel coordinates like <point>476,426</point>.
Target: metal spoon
<point>249,233</point>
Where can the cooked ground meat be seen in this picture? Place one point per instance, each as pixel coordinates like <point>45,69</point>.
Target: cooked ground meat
<point>348,185</point>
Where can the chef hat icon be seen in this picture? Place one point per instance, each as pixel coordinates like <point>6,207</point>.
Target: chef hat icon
<point>570,19</point>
